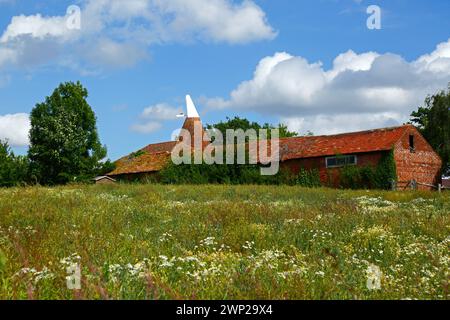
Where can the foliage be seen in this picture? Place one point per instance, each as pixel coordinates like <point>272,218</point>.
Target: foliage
<point>222,242</point>
<point>65,146</point>
<point>223,173</point>
<point>386,172</point>
<point>136,154</point>
<point>13,169</point>
<point>353,177</point>
<point>244,124</point>
<point>370,177</point>
<point>433,121</point>
<point>3,261</point>
<point>350,177</point>
<point>218,174</point>
<point>308,178</point>
<point>106,167</point>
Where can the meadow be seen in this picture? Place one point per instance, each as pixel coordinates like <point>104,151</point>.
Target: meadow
<point>223,242</point>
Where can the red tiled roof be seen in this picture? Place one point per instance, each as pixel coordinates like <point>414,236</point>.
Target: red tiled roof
<point>147,162</point>
<point>346,143</point>
<point>160,147</point>
<point>152,158</point>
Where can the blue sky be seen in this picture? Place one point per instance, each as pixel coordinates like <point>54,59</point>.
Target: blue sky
<point>270,61</point>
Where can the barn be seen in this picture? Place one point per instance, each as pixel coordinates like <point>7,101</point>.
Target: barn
<point>418,165</point>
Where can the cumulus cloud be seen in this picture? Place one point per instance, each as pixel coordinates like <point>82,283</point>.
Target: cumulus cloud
<point>146,128</point>
<point>161,111</point>
<point>438,61</point>
<point>151,118</point>
<point>117,33</point>
<point>15,128</point>
<point>36,26</point>
<point>360,91</point>
<point>216,20</point>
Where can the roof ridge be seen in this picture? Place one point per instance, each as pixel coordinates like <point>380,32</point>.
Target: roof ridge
<point>351,133</point>
<point>158,143</point>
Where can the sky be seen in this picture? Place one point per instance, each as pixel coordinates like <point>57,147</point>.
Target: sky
<point>314,65</point>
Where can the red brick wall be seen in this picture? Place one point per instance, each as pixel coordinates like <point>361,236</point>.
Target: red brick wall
<point>332,174</point>
<point>422,165</point>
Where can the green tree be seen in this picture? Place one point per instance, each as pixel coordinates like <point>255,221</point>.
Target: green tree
<point>13,169</point>
<point>245,124</point>
<point>64,143</point>
<point>433,121</point>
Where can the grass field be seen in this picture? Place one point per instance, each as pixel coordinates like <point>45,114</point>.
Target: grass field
<point>223,242</point>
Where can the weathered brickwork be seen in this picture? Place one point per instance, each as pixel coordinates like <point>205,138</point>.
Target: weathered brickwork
<point>421,164</point>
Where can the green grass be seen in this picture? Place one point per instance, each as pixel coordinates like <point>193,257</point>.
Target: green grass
<point>222,242</point>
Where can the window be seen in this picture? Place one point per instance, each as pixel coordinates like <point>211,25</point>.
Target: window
<point>340,161</point>
<point>412,147</point>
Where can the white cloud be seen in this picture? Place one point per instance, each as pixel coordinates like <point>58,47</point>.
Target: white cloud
<point>117,33</point>
<point>151,118</point>
<point>147,127</point>
<point>353,62</point>
<point>360,91</point>
<point>15,128</point>
<point>438,60</point>
<point>36,26</point>
<point>333,124</point>
<point>217,20</point>
<point>161,111</point>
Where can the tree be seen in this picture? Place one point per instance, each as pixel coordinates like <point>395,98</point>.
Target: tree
<point>245,124</point>
<point>13,169</point>
<point>433,121</point>
<point>64,143</point>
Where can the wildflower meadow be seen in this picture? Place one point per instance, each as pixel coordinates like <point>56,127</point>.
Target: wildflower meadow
<point>222,242</point>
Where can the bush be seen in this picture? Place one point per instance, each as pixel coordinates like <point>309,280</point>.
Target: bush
<point>233,174</point>
<point>357,177</point>
<point>370,177</point>
<point>351,177</point>
<point>386,171</point>
<point>308,178</point>
<point>13,169</point>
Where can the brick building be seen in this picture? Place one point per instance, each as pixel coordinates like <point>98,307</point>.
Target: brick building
<point>416,161</point>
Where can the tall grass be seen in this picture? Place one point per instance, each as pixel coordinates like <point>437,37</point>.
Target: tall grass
<point>222,242</point>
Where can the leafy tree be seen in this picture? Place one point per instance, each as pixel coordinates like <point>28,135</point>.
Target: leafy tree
<point>13,169</point>
<point>245,124</point>
<point>433,121</point>
<point>64,143</point>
